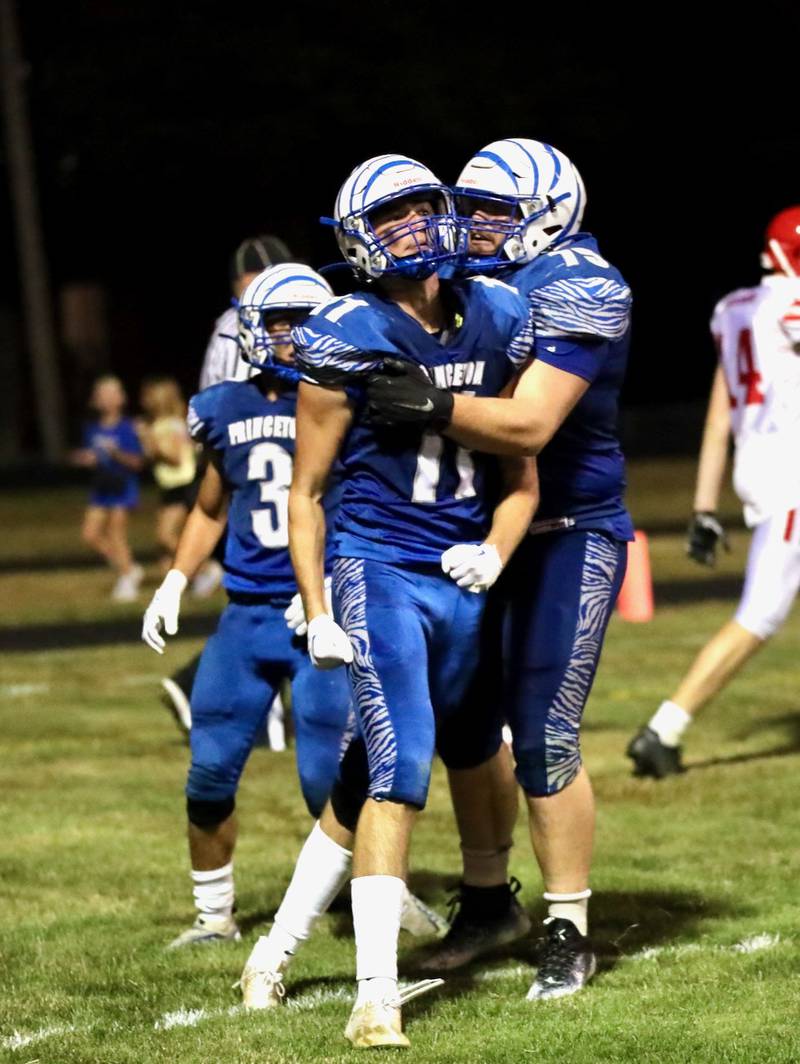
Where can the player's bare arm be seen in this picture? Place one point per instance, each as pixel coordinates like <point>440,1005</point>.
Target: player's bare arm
<point>323,417</point>
<point>204,525</point>
<point>514,513</point>
<point>522,424</point>
<point>714,448</point>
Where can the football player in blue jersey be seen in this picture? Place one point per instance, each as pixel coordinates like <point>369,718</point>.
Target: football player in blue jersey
<point>520,204</point>
<point>248,430</point>
<point>417,544</point>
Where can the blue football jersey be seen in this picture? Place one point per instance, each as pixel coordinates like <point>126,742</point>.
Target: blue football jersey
<point>408,495</point>
<point>253,440</point>
<point>581,313</point>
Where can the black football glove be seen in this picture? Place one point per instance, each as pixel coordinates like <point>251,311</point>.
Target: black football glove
<point>704,533</point>
<point>402,394</point>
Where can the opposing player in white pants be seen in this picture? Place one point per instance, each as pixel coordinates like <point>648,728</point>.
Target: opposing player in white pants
<point>756,397</point>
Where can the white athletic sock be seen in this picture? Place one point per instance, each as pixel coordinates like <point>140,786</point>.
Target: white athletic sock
<point>320,873</point>
<point>669,722</point>
<point>213,890</point>
<point>377,904</point>
<point>573,907</point>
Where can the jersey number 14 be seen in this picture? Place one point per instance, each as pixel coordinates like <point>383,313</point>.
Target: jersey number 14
<point>749,377</point>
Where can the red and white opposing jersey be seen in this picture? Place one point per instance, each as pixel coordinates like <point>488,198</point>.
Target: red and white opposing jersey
<point>757,332</point>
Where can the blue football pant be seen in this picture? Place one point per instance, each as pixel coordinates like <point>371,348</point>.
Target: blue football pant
<point>241,668</point>
<point>415,637</point>
<point>541,646</point>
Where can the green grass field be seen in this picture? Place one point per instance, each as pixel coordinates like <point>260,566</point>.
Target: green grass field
<point>696,878</point>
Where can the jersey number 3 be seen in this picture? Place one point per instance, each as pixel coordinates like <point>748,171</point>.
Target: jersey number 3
<point>272,465</point>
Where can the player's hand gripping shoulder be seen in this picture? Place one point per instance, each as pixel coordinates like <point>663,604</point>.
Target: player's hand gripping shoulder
<point>704,534</point>
<point>328,645</point>
<point>163,610</point>
<point>474,566</point>
<point>295,614</point>
<point>402,394</point>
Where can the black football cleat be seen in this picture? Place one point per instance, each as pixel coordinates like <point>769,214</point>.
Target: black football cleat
<point>478,929</point>
<point>651,757</point>
<point>566,962</point>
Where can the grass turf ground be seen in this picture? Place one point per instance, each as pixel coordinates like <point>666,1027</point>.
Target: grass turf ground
<point>696,878</point>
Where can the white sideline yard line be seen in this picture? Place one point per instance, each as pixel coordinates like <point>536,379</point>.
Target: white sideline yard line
<point>307,1002</point>
<point>312,1000</point>
<point>18,1041</point>
<point>22,690</point>
<point>753,944</point>
<point>140,679</point>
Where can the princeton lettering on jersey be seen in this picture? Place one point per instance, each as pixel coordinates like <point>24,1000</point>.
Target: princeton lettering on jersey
<point>275,427</point>
<point>459,375</point>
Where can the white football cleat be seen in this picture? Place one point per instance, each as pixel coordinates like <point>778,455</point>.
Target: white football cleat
<point>207,930</point>
<point>208,579</point>
<point>126,589</point>
<point>419,919</point>
<point>261,989</point>
<point>380,1023</point>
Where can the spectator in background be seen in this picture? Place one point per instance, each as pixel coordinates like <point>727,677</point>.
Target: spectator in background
<point>111,448</point>
<point>169,447</point>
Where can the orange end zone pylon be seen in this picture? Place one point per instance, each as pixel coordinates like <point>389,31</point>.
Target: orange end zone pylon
<point>635,602</point>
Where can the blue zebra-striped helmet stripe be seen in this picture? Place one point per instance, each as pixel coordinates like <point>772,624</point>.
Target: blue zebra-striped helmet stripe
<point>539,181</point>
<point>373,184</point>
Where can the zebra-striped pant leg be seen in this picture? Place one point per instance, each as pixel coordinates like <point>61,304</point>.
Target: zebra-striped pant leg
<point>568,584</point>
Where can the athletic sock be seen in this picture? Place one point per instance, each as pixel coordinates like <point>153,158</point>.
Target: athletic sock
<point>377,904</point>
<point>320,873</point>
<point>485,868</point>
<point>485,903</point>
<point>213,890</point>
<point>572,907</point>
<point>669,722</point>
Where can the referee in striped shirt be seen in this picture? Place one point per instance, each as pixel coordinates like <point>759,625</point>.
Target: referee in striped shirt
<point>222,361</point>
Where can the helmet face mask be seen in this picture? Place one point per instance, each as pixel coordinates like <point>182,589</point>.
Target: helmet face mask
<point>523,190</point>
<point>279,298</point>
<point>375,195</point>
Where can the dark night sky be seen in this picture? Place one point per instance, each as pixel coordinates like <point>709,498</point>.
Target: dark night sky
<point>165,133</point>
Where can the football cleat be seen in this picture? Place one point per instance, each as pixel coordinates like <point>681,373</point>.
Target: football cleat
<point>208,579</point>
<point>419,919</point>
<point>472,935</point>
<point>207,930</point>
<point>261,989</point>
<point>566,962</point>
<point>126,588</point>
<point>176,701</point>
<point>380,1023</point>
<point>653,758</point>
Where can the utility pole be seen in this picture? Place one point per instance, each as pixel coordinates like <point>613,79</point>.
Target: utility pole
<point>32,262</point>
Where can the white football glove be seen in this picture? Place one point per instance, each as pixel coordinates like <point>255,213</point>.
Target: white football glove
<point>328,645</point>
<point>474,566</point>
<point>295,615</point>
<point>164,608</point>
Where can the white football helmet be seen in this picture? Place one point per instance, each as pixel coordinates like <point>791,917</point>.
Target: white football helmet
<point>539,183</point>
<point>291,287</point>
<point>370,186</point>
